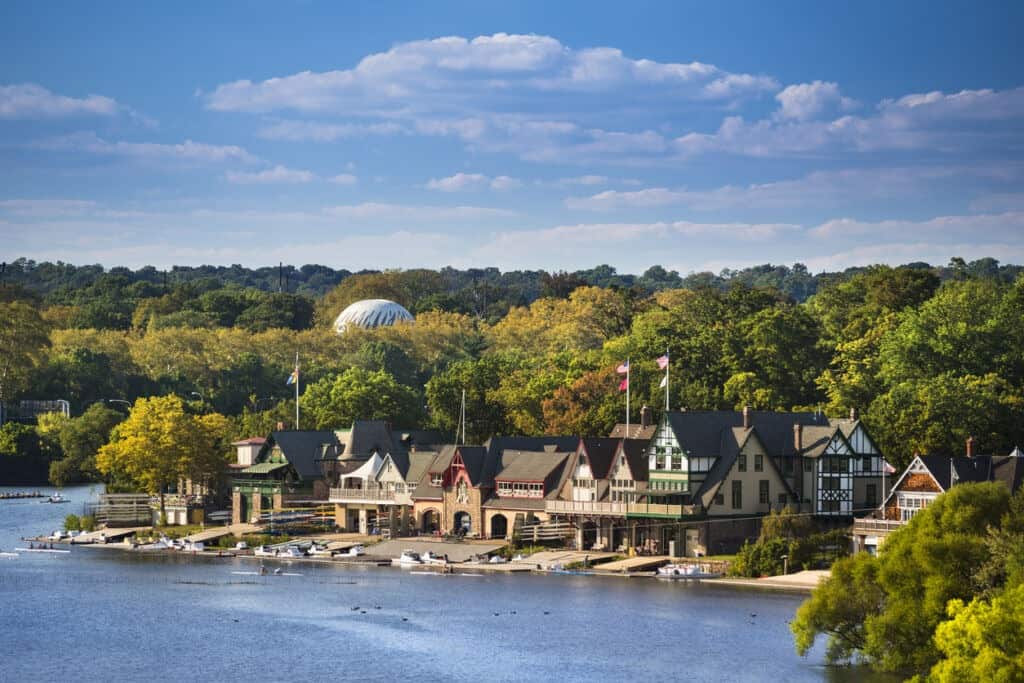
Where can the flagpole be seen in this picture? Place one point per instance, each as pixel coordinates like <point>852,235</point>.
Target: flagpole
<point>667,366</point>
<point>627,398</point>
<point>297,380</point>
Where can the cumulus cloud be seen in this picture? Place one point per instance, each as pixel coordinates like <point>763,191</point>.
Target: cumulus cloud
<point>809,100</point>
<point>28,100</point>
<point>315,131</point>
<point>271,176</point>
<point>939,229</point>
<point>344,179</point>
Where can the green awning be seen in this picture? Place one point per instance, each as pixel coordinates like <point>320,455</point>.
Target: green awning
<point>264,467</point>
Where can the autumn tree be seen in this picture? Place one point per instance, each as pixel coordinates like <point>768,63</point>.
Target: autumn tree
<point>358,394</point>
<point>23,344</point>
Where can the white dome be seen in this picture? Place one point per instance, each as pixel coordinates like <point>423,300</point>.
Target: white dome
<point>371,313</point>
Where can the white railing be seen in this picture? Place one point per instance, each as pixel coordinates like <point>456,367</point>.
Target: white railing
<point>349,495</point>
<point>584,507</point>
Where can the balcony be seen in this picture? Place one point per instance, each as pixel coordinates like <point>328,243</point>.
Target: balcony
<point>872,527</point>
<point>368,496</point>
<point>659,510</point>
<point>584,507</point>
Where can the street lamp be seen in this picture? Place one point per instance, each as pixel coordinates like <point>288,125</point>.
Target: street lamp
<point>785,565</point>
<point>196,393</point>
<point>118,400</point>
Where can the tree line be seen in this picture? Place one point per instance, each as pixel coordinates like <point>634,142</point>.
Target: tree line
<point>928,355</point>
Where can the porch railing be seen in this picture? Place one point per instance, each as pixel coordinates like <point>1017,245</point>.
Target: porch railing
<point>585,507</point>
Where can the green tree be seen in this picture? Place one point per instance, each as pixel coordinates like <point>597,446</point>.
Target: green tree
<point>20,440</point>
<point>357,394</point>
<point>485,414</point>
<point>23,343</point>
<point>80,439</point>
<point>983,641</point>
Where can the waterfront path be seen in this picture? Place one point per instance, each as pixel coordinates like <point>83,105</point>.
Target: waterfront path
<point>804,581</point>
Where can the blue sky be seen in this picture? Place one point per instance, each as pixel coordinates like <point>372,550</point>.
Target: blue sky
<point>518,135</point>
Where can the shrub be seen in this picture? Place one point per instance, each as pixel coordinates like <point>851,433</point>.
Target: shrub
<point>72,523</point>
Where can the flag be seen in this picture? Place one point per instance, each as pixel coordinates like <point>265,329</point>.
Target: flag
<point>664,382</point>
<point>889,469</point>
<point>624,384</point>
<point>293,378</point>
<point>663,362</point>
<point>623,369</point>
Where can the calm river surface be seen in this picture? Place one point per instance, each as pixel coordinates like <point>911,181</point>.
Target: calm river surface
<point>103,615</point>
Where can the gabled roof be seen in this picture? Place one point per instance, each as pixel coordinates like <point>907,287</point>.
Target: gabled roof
<point>264,467</point>
<point>699,432</point>
<point>419,461</point>
<point>251,441</point>
<point>719,472</point>
<point>365,438</point>
<point>304,450</point>
<point>637,461</point>
<point>497,445</point>
<point>420,439</point>
<point>600,455</point>
<point>531,466</point>
<point>636,431</point>
<point>474,460</point>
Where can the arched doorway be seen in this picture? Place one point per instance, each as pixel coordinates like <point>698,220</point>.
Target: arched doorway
<point>430,522</point>
<point>463,523</point>
<point>499,526</point>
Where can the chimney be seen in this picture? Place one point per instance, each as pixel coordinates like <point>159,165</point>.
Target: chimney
<point>280,426</point>
<point>798,437</point>
<point>746,417</point>
<point>970,447</point>
<point>645,417</point>
<point>853,414</point>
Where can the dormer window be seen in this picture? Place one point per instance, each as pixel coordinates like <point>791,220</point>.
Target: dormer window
<point>436,479</point>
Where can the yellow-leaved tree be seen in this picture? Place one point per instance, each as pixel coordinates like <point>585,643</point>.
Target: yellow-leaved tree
<point>159,444</point>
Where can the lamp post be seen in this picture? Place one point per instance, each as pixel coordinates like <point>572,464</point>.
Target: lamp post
<point>785,565</point>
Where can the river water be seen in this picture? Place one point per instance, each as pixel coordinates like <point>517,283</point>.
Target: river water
<point>98,614</point>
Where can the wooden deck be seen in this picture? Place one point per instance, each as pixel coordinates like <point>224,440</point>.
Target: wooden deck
<point>548,558</point>
<point>109,534</point>
<point>634,564</point>
<point>220,531</point>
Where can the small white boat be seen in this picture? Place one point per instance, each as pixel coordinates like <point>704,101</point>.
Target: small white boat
<point>431,558</point>
<point>497,559</point>
<point>56,498</point>
<point>291,551</point>
<point>408,558</point>
<point>353,551</point>
<point>265,551</point>
<point>42,550</point>
<point>193,546</point>
<point>685,571</point>
<point>58,535</point>
<point>241,545</point>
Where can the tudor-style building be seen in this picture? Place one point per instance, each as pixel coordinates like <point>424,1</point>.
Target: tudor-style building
<point>924,480</point>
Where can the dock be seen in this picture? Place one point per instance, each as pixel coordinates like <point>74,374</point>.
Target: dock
<point>635,564</point>
<point>106,534</point>
<point>549,558</point>
<point>221,531</point>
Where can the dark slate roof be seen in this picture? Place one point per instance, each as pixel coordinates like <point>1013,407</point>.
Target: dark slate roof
<point>529,465</point>
<point>304,450</point>
<point>497,445</point>
<point>636,431</point>
<point>601,453</point>
<point>816,439</point>
<point>636,457</point>
<point>700,431</point>
<point>421,439</point>
<point>732,445</point>
<point>419,462</point>
<point>1005,468</point>
<point>475,460</point>
<point>367,437</point>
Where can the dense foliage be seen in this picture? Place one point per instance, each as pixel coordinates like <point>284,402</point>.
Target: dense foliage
<point>933,593</point>
<point>929,355</point>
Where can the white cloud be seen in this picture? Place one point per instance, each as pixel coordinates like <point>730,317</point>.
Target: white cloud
<point>344,179</point>
<point>461,182</point>
<point>433,73</point>
<point>187,151</point>
<point>809,100</point>
<point>46,207</point>
<point>970,122</point>
<point>271,176</point>
<point>1009,225</point>
<point>457,182</point>
<point>28,100</point>
<point>386,211</point>
<point>296,131</point>
<point>504,182</point>
<point>583,180</point>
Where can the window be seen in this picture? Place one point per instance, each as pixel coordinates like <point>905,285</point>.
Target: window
<point>737,495</point>
<point>865,464</point>
<point>871,495</point>
<point>742,463</point>
<point>719,499</point>
<point>461,493</point>
<point>436,479</point>
<point>762,492</point>
<point>759,463</point>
